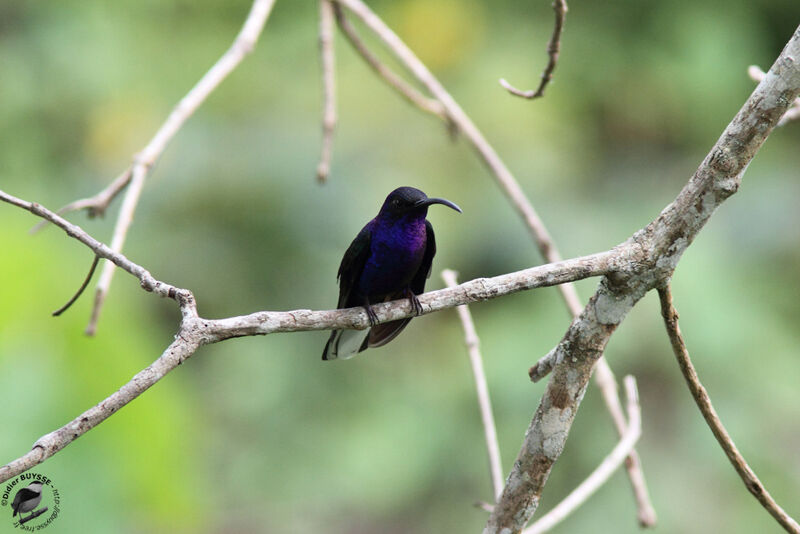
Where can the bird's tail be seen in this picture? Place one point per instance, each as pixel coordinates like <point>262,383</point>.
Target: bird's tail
<point>380,335</point>
<point>344,344</point>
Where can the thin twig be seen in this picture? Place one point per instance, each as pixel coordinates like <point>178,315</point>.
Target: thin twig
<point>34,515</point>
<point>398,84</point>
<point>516,196</point>
<point>793,113</point>
<point>143,162</point>
<point>96,205</point>
<point>703,401</point>
<point>473,348</point>
<point>553,49</point>
<point>77,294</point>
<point>327,61</point>
<point>603,471</point>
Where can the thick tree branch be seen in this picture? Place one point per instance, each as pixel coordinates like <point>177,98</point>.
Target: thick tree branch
<point>793,113</point>
<point>553,49</point>
<point>143,162</point>
<point>603,471</point>
<point>703,401</point>
<point>476,362</point>
<point>658,247</point>
<point>516,196</point>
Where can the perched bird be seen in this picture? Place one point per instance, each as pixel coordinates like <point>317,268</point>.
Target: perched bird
<point>390,258</point>
<point>27,498</point>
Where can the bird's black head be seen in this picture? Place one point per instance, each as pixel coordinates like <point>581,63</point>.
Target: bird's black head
<point>408,199</point>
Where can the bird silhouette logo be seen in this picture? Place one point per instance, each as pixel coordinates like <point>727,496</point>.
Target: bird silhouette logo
<point>30,496</point>
<point>26,500</point>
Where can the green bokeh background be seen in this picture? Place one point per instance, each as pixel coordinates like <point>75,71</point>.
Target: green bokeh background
<point>257,434</point>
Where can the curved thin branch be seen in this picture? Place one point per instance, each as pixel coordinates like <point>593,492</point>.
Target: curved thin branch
<point>397,83</point>
<point>143,162</point>
<point>476,362</point>
<point>78,293</point>
<point>553,49</point>
<point>703,402</point>
<point>603,471</point>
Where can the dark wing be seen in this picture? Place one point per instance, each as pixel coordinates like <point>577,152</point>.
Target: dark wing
<point>22,495</point>
<point>349,272</point>
<point>352,265</point>
<point>381,334</point>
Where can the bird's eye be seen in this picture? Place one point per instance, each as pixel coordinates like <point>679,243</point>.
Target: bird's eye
<point>396,202</point>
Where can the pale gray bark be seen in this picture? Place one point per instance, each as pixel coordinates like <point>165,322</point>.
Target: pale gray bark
<point>654,253</point>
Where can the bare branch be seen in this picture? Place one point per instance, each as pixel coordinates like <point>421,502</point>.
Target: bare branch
<point>78,293</point>
<point>51,443</point>
<point>793,113</point>
<point>398,84</point>
<point>195,331</point>
<point>603,471</point>
<point>703,401</point>
<point>517,198</point>
<point>659,248</point>
<point>242,45</point>
<point>327,61</point>
<point>473,348</point>
<point>146,280</point>
<point>96,205</point>
<point>553,49</point>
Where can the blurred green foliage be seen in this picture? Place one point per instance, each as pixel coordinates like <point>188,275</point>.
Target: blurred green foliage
<point>257,434</point>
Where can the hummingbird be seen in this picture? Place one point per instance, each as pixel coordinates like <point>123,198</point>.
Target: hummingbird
<point>390,258</point>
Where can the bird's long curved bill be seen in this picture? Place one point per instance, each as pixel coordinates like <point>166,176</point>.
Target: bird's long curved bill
<point>444,201</point>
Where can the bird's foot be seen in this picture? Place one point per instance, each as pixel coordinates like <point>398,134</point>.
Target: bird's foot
<point>416,306</point>
<point>371,316</point>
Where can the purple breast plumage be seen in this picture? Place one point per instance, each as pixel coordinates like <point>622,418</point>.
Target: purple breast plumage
<point>396,252</point>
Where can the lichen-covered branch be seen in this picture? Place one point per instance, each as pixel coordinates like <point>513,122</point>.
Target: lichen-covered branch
<point>657,250</point>
<point>603,471</point>
<point>793,113</point>
<point>703,401</point>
